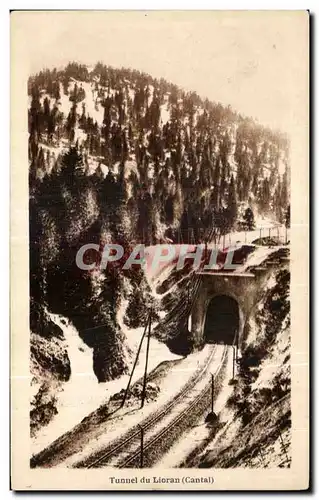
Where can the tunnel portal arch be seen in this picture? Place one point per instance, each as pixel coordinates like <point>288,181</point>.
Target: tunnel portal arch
<point>222,320</point>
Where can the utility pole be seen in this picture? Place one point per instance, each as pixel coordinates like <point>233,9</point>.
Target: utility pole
<point>146,361</point>
<point>142,448</point>
<point>234,360</point>
<point>236,343</point>
<point>135,363</point>
<point>213,388</point>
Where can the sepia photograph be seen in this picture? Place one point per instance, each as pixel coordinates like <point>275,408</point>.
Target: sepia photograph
<point>160,203</point>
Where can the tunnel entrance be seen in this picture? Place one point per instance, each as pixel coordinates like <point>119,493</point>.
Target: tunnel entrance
<point>222,320</point>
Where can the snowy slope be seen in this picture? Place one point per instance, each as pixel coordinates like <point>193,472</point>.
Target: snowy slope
<point>82,394</point>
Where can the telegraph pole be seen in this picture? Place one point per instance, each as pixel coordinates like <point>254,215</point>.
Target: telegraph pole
<point>237,341</point>
<point>234,360</point>
<point>135,363</point>
<point>213,393</point>
<point>146,361</point>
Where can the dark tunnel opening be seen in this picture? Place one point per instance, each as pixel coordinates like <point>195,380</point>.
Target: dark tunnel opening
<point>222,320</point>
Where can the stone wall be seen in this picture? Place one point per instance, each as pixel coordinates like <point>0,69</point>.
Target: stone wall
<point>244,289</point>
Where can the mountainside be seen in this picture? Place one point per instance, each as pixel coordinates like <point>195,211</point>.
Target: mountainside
<point>174,154</point>
<point>118,156</point>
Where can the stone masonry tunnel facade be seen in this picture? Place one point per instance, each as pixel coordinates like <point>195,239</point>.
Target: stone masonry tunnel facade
<point>222,320</point>
<point>223,305</point>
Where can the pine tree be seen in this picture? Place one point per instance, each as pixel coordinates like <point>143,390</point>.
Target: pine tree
<point>249,219</point>
<point>215,198</point>
<point>56,91</point>
<point>82,119</point>
<point>71,122</point>
<point>72,166</point>
<point>284,191</point>
<point>287,217</point>
<point>264,195</point>
<point>35,115</point>
<point>46,112</point>
<point>232,203</point>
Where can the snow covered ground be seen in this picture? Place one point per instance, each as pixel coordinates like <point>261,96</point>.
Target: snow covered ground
<point>264,229</point>
<point>82,394</point>
<point>65,103</point>
<point>256,258</point>
<point>200,431</point>
<point>95,110</point>
<point>159,352</point>
<point>170,384</point>
<point>183,404</point>
<point>158,271</point>
<point>165,114</point>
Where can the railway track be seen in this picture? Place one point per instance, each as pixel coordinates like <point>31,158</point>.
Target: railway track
<point>125,452</point>
<point>162,441</point>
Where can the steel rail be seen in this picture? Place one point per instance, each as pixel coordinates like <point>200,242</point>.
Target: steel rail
<point>177,419</point>
<point>157,416</point>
